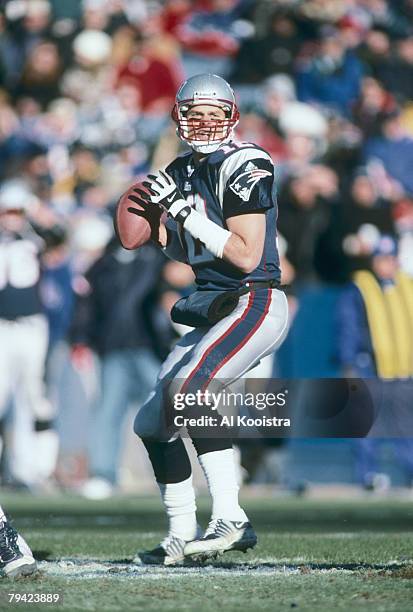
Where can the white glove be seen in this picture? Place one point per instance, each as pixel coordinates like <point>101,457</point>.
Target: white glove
<point>164,192</point>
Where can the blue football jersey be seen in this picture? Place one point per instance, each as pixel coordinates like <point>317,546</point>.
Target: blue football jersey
<point>236,179</point>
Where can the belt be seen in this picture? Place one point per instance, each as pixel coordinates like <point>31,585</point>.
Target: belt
<point>272,284</point>
<point>269,284</point>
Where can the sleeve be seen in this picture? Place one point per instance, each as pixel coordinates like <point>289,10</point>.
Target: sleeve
<point>249,188</point>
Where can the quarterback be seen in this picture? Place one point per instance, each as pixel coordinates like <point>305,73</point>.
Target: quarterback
<point>221,220</point>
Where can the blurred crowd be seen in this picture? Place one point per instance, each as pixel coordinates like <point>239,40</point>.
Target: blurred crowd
<point>86,91</point>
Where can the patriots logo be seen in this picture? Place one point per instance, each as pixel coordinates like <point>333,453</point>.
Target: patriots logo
<point>243,185</point>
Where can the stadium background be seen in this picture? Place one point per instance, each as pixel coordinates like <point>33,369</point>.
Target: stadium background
<point>86,89</point>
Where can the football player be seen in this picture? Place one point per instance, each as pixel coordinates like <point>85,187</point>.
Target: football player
<point>16,558</point>
<point>222,211</point>
<point>24,336</point>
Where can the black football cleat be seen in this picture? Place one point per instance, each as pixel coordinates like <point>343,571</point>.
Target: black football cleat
<point>169,552</point>
<point>16,558</point>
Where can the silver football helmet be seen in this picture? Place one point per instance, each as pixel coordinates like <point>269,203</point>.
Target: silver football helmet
<point>205,135</point>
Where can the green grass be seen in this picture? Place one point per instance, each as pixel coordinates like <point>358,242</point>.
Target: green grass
<point>312,555</point>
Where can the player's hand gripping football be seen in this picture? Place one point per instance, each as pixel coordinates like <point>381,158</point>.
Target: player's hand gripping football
<point>164,192</point>
<point>148,211</point>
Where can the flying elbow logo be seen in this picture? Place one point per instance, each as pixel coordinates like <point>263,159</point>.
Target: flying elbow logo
<point>244,183</point>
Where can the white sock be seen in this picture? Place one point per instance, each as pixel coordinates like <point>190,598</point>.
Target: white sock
<point>221,476</point>
<point>180,506</point>
<point>3,517</point>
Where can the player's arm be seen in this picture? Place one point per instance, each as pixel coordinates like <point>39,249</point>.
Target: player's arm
<point>243,248</point>
<point>245,245</point>
<point>246,195</point>
<point>242,243</point>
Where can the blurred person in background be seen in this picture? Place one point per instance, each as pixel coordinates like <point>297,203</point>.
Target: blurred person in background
<point>375,339</point>
<point>331,77</point>
<point>115,318</point>
<point>253,127</point>
<point>259,58</point>
<point>355,226</point>
<point>210,36</point>
<point>392,152</point>
<point>57,297</point>
<point>399,77</point>
<point>403,220</point>
<point>372,107</point>
<point>153,68</point>
<point>24,337</point>
<point>307,201</point>
<point>27,26</point>
<point>41,75</point>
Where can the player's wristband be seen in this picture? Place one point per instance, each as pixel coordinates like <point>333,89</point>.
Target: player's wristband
<point>212,235</point>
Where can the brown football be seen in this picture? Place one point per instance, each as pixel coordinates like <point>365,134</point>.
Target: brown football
<point>132,230</point>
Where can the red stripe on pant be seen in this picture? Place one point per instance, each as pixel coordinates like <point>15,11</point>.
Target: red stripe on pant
<point>218,341</point>
<point>243,343</point>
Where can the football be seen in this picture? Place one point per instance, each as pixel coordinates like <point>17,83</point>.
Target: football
<point>132,230</point>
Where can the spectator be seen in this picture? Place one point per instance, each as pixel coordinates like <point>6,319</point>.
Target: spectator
<point>279,91</point>
<point>114,319</point>
<point>254,128</point>
<point>27,25</point>
<point>398,78</point>
<point>41,74</point>
<point>306,202</point>
<point>260,58</point>
<point>349,240</point>
<point>375,52</point>
<point>393,150</point>
<point>375,340</point>
<point>155,72</point>
<point>372,107</point>
<point>332,77</point>
<point>210,37</point>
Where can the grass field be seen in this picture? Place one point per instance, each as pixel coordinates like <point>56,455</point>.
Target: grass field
<point>312,555</point>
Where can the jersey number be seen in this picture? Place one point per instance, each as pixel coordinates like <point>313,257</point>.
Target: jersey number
<point>195,249</point>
